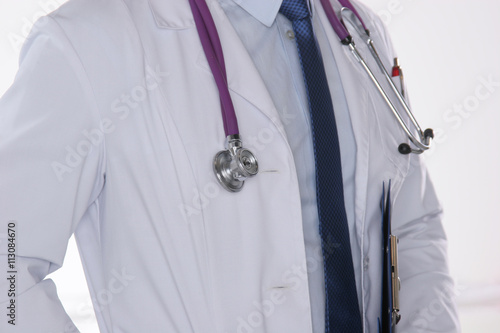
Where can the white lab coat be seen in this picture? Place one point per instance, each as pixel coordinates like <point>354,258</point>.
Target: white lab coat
<point>109,131</point>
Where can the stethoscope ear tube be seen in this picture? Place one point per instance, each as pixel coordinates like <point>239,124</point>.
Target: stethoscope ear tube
<point>235,164</point>
<point>405,148</point>
<point>422,143</point>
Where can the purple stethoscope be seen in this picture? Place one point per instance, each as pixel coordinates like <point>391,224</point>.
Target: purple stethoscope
<point>235,164</point>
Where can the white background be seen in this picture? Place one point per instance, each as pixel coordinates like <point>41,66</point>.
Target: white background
<point>448,49</point>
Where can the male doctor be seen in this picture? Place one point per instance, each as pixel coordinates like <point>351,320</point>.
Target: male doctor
<point>109,132</point>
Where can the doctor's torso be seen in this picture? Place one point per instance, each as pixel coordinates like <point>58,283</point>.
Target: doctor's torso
<point>164,246</point>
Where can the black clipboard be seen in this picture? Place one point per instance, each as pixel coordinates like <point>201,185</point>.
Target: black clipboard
<point>389,316</point>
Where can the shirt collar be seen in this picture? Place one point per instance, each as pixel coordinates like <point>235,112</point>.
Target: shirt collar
<point>263,10</point>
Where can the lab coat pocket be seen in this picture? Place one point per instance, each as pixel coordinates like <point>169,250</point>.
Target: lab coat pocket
<point>390,133</point>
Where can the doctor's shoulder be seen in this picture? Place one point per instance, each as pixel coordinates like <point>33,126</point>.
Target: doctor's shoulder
<point>378,28</point>
<point>99,41</point>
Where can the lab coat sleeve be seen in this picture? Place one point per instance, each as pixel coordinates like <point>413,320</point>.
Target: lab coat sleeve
<point>427,296</point>
<point>51,171</point>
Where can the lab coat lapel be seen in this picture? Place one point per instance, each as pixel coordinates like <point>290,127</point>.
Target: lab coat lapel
<point>243,77</point>
<point>356,95</point>
<point>375,129</point>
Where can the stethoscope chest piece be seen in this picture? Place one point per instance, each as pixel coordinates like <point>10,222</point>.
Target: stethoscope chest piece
<point>234,165</point>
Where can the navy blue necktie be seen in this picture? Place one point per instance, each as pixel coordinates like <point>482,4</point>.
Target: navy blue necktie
<point>341,300</point>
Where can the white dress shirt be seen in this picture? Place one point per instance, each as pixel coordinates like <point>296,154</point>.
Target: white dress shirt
<point>269,39</point>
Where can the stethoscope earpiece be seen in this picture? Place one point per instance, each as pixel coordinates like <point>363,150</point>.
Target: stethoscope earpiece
<point>349,14</point>
<point>235,164</point>
<point>404,149</point>
<point>426,137</point>
<point>428,134</point>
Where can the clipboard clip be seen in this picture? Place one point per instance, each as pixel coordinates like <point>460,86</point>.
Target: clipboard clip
<point>396,281</point>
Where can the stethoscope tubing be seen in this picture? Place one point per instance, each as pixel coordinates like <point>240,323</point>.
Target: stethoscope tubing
<point>211,44</point>
<point>423,142</point>
<point>235,164</point>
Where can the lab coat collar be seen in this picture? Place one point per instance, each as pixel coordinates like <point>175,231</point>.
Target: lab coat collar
<point>241,71</point>
<point>178,16</point>
<point>173,14</point>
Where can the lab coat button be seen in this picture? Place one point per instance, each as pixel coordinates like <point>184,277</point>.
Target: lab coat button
<point>366,262</point>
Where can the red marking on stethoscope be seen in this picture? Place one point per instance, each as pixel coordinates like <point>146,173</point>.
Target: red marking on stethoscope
<point>395,71</point>
<point>235,164</point>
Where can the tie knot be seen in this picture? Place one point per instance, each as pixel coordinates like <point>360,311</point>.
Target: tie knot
<point>294,9</point>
